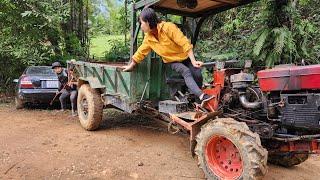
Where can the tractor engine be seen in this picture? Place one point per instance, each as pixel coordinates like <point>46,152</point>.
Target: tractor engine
<point>287,99</point>
<point>293,95</point>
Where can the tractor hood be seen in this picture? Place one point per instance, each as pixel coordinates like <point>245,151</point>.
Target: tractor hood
<point>290,77</point>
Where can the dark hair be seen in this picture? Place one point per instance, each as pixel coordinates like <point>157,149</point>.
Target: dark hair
<point>148,15</point>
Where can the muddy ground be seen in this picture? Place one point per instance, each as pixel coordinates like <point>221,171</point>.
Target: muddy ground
<point>45,144</point>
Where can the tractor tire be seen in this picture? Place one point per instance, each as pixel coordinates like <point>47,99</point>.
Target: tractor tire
<point>227,149</point>
<point>288,160</point>
<point>18,103</point>
<point>90,107</point>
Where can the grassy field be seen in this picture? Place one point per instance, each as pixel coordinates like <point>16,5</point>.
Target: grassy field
<point>99,44</point>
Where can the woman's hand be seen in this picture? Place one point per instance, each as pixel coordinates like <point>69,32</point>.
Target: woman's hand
<point>194,62</point>
<point>197,64</point>
<point>127,68</point>
<point>130,67</point>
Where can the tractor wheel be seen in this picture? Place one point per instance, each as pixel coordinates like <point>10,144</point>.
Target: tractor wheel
<point>90,107</point>
<point>19,104</point>
<point>288,160</point>
<point>227,149</point>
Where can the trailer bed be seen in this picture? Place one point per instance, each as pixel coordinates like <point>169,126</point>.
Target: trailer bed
<point>125,89</point>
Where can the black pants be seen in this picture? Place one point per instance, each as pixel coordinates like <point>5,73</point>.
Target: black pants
<point>192,75</point>
<point>73,99</point>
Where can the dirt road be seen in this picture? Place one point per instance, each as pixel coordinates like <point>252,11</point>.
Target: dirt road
<point>43,144</point>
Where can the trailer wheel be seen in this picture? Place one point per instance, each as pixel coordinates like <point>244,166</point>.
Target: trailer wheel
<point>227,149</point>
<point>288,160</point>
<point>90,107</point>
<point>19,104</point>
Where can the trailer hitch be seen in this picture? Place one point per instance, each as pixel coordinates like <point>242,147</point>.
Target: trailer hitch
<point>194,127</point>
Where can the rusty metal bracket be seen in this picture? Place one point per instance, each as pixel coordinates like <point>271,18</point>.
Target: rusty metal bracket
<point>194,126</point>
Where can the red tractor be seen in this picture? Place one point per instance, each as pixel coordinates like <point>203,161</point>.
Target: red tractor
<point>277,120</point>
<point>246,124</point>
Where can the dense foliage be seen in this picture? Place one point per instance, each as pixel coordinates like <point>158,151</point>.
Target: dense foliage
<point>268,32</point>
<point>119,50</point>
<point>35,32</point>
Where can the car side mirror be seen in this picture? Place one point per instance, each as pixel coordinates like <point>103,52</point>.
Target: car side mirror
<point>15,80</point>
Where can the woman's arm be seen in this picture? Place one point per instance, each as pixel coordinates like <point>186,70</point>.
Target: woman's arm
<point>138,56</point>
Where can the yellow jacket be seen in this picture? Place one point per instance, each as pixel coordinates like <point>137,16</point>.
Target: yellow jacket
<point>172,46</point>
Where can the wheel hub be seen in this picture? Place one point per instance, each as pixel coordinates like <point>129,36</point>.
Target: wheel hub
<point>223,158</point>
<point>84,107</point>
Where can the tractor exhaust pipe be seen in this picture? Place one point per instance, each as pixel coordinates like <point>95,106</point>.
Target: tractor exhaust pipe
<point>249,105</point>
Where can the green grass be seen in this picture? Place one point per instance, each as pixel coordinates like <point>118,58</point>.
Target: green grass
<point>99,44</point>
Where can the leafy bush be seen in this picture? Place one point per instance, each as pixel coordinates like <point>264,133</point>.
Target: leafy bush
<point>119,51</point>
<point>74,46</point>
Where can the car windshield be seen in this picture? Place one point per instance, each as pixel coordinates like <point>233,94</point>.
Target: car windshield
<point>40,70</point>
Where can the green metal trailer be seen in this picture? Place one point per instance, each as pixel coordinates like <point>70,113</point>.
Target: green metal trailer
<point>124,90</point>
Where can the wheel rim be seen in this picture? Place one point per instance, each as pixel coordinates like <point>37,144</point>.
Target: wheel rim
<point>223,158</point>
<point>84,107</point>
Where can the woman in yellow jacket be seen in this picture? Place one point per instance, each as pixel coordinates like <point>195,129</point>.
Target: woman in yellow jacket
<point>166,39</point>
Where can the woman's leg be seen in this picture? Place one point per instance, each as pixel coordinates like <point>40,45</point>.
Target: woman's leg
<point>188,78</point>
<point>196,72</point>
<point>190,74</point>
